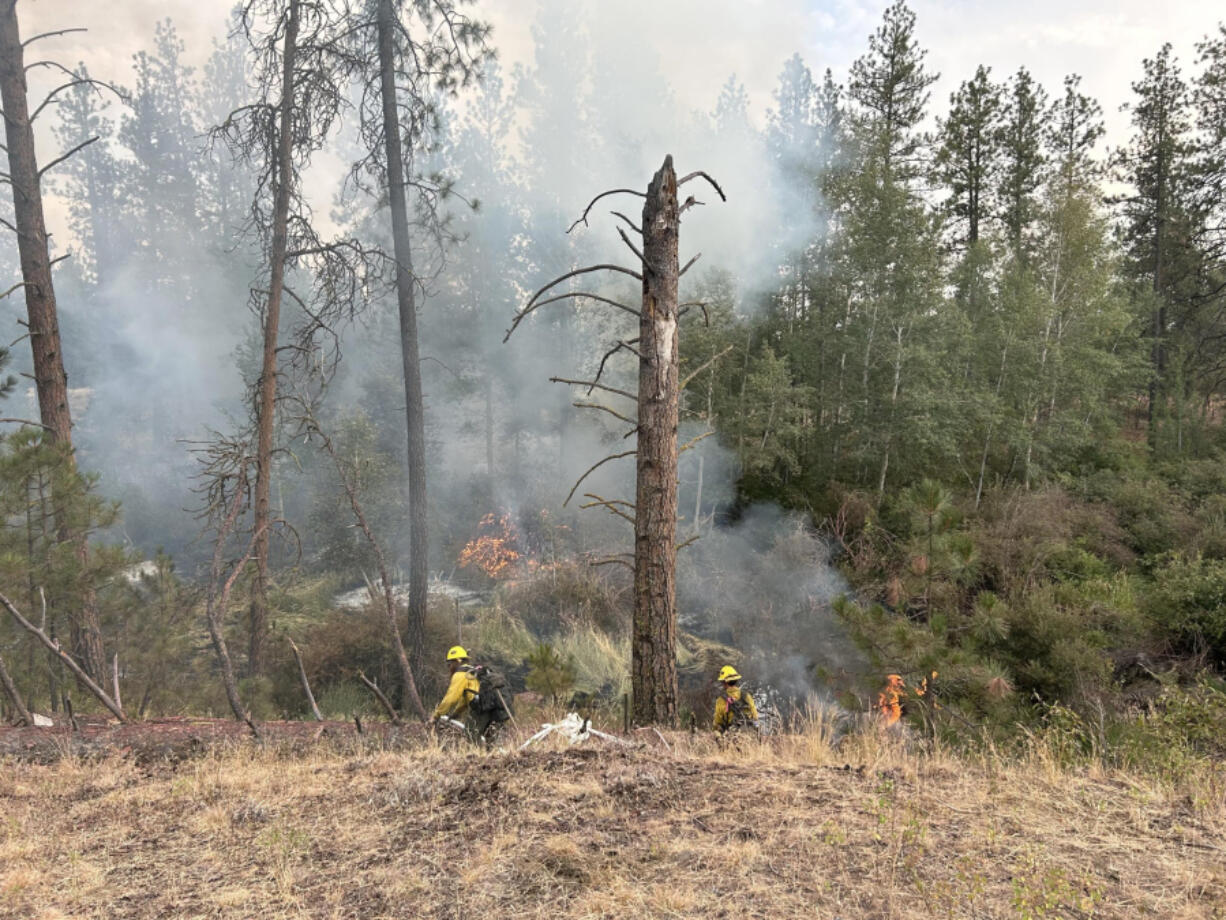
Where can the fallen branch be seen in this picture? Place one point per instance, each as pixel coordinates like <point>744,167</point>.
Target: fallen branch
<point>54,647</point>
<point>379,695</point>
<point>10,690</point>
<point>306,685</point>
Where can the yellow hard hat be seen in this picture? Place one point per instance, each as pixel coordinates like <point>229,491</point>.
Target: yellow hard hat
<point>727,673</point>
<point>457,653</point>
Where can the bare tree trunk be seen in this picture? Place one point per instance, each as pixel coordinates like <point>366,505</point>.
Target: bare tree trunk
<point>389,599</point>
<point>51,381</point>
<point>306,684</point>
<point>654,661</point>
<point>10,690</point>
<point>405,297</point>
<point>267,395</point>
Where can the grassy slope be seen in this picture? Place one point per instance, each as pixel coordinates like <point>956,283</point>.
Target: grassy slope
<point>692,832</point>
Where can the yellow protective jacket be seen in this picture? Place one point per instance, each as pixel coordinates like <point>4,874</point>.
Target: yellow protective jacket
<point>461,689</point>
<point>723,712</point>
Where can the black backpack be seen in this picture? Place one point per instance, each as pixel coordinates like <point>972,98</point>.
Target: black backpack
<point>489,698</point>
<point>738,710</point>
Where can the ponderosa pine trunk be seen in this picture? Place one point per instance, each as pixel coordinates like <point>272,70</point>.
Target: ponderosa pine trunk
<point>654,659</point>
<point>266,406</point>
<point>406,301</point>
<point>50,378</point>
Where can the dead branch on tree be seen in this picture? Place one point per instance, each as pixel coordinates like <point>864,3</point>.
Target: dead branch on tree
<point>60,159</point>
<point>633,226</point>
<point>41,35</point>
<point>389,600</point>
<point>618,415</point>
<point>685,268</point>
<point>620,346</point>
<point>593,384</point>
<point>227,463</point>
<point>595,466</point>
<point>698,173</point>
<point>532,304</point>
<point>579,294</point>
<point>634,249</point>
<point>684,544</point>
<point>53,646</point>
<point>684,308</point>
<point>616,191</point>
<point>612,560</point>
<point>379,695</point>
<point>306,684</point>
<point>689,203</point>
<point>693,441</point>
<point>609,505</point>
<point>702,367</point>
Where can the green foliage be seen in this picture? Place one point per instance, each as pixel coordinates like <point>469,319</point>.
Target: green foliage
<point>549,672</point>
<point>1188,603</point>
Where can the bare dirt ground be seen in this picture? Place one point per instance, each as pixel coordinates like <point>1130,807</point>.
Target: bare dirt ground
<point>345,829</point>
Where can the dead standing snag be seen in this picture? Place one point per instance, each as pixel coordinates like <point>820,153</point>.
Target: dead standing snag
<point>654,511</point>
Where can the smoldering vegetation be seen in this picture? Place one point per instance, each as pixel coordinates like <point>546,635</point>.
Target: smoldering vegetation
<point>159,303</point>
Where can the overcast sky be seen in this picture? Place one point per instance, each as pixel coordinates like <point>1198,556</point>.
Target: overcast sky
<point>701,42</point>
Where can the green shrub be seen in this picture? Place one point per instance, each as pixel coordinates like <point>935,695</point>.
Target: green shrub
<point>1188,604</point>
<point>550,673</point>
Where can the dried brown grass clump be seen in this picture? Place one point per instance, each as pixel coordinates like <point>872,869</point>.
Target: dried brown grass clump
<point>784,826</point>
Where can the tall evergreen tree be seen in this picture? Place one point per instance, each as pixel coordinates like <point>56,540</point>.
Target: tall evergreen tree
<point>968,157</point>
<point>1157,165</point>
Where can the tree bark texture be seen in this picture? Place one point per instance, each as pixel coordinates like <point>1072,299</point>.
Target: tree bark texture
<point>51,380</point>
<point>266,406</point>
<point>654,661</point>
<point>406,300</point>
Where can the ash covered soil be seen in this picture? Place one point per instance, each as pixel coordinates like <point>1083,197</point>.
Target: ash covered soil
<point>340,830</point>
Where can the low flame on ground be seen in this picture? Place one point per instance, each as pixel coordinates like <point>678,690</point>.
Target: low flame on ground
<point>889,701</point>
<point>493,550</point>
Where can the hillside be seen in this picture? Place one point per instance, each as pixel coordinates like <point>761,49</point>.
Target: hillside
<point>789,829</point>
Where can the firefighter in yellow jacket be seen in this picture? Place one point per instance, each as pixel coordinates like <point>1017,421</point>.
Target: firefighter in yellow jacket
<point>735,707</point>
<point>462,688</point>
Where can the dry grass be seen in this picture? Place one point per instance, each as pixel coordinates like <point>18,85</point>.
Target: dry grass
<point>775,829</point>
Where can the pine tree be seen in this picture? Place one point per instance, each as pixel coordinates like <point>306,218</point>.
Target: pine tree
<point>1021,141</point>
<point>968,158</point>
<point>1157,164</point>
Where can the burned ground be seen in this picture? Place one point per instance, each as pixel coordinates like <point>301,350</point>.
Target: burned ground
<point>343,830</point>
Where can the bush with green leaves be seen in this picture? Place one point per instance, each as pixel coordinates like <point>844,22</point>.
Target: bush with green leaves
<point>1187,604</point>
<point>550,673</point>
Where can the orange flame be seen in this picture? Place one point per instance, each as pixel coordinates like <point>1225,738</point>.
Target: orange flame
<point>493,549</point>
<point>889,700</point>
